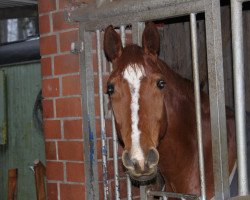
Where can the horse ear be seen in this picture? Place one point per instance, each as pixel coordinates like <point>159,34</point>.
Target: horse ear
<point>112,43</point>
<point>151,39</point>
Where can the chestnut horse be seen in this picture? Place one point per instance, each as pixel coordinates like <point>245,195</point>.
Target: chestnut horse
<point>154,110</point>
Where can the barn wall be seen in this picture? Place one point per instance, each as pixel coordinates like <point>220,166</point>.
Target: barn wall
<point>61,103</point>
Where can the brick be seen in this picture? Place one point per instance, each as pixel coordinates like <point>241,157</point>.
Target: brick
<point>70,150</point>
<point>97,106</point>
<point>48,45</point>
<point>52,191</point>
<point>54,171</point>
<point>46,5</point>
<point>50,87</point>
<point>59,22</point>
<point>64,3</point>
<point>66,38</point>
<point>75,172</point>
<point>121,169</point>
<point>46,66</point>
<point>101,192</point>
<point>72,192</point>
<point>94,60</point>
<point>123,189</point>
<point>96,84</point>
<point>68,63</point>
<point>52,129</point>
<point>110,170</point>
<point>48,108</point>
<point>99,149</point>
<point>73,129</point>
<point>68,107</point>
<point>94,41</point>
<point>44,24</point>
<point>50,150</point>
<point>71,85</point>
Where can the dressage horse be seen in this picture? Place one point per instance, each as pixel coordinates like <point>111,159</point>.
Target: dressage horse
<point>154,110</point>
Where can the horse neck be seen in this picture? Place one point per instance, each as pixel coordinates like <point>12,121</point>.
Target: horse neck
<point>180,104</point>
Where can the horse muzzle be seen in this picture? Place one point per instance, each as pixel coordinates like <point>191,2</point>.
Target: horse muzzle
<point>141,172</point>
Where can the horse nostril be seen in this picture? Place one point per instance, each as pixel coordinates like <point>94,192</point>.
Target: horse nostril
<point>126,160</point>
<point>153,157</point>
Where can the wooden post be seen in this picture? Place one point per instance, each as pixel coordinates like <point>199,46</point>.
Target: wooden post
<point>12,184</point>
<point>39,170</point>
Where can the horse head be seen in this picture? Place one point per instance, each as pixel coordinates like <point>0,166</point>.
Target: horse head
<point>136,88</point>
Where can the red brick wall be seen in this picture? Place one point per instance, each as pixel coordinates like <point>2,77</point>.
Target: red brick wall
<point>61,104</point>
<point>62,108</point>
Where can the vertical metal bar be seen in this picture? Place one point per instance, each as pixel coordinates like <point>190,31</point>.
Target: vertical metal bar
<point>88,108</point>
<point>217,99</point>
<point>137,29</point>
<point>123,35</point>
<point>129,192</point>
<point>103,132</point>
<point>239,95</point>
<point>143,193</point>
<point>197,102</point>
<point>115,151</point>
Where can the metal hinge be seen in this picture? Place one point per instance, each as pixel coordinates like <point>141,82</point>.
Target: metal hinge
<point>77,47</point>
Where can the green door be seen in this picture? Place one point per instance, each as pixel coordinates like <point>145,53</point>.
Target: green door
<point>25,142</point>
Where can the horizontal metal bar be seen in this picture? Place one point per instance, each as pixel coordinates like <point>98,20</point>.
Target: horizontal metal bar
<point>240,198</point>
<point>126,12</point>
<point>243,0</point>
<point>172,195</point>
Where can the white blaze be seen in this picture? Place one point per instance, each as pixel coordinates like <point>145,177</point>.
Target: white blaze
<point>134,74</point>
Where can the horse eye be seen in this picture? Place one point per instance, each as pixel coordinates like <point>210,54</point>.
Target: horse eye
<point>110,89</point>
<point>161,84</point>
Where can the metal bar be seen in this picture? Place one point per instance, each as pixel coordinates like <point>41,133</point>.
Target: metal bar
<point>197,102</point>
<point>172,195</point>
<point>217,99</point>
<point>115,151</point>
<point>88,108</point>
<point>143,193</point>
<point>239,95</point>
<point>118,8</point>
<point>123,35</point>
<point>25,1</point>
<point>129,190</point>
<point>103,132</point>
<point>165,10</point>
<point>243,1</point>
<point>137,29</point>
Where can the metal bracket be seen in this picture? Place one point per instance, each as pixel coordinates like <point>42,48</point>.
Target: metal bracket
<point>77,47</point>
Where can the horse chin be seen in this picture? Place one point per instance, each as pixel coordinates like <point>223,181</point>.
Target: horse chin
<point>143,180</point>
